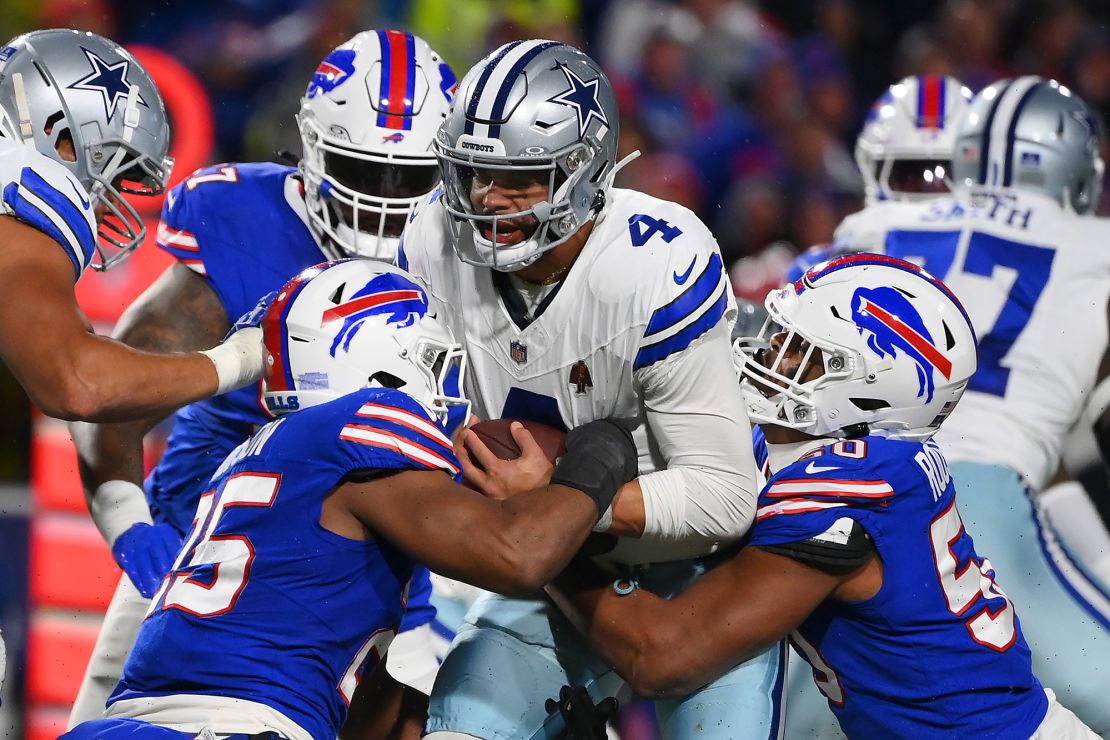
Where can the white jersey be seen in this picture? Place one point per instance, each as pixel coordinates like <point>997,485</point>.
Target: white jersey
<point>1035,280</point>
<point>42,193</point>
<point>638,330</point>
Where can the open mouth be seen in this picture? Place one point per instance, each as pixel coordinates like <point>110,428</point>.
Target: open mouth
<point>507,233</point>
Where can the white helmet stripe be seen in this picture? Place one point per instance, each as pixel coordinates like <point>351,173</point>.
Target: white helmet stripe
<point>488,100</point>
<point>999,131</point>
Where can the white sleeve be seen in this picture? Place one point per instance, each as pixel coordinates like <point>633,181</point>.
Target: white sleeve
<point>707,493</point>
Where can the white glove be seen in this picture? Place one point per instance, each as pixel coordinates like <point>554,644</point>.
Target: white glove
<point>238,359</point>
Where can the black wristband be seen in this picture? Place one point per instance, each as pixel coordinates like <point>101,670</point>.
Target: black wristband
<point>601,457</point>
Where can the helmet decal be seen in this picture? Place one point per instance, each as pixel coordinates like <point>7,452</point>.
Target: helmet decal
<point>582,96</point>
<point>892,325</point>
<point>930,102</point>
<point>400,300</point>
<point>110,80</point>
<point>332,72</point>
<point>491,93</point>
<point>398,83</point>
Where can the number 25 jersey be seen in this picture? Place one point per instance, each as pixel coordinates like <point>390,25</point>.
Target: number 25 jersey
<point>266,607</point>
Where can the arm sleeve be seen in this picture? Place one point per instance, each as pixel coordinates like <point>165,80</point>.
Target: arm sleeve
<point>707,493</point>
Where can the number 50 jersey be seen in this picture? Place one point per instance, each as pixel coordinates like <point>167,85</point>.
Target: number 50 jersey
<point>939,645</point>
<point>1035,279</point>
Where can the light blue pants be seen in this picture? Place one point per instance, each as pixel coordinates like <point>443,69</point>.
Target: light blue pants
<point>513,654</point>
<point>1064,616</point>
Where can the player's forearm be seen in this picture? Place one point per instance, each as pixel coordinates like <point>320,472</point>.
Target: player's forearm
<point>108,452</point>
<point>110,382</point>
<point>531,538</point>
<point>631,633</point>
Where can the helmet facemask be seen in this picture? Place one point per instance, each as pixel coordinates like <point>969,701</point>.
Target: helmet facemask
<point>360,201</point>
<point>466,174</point>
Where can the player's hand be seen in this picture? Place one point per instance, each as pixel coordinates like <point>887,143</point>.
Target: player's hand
<point>146,552</point>
<point>502,479</point>
<point>239,359</point>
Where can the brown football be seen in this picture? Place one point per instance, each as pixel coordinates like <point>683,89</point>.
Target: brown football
<point>498,438</point>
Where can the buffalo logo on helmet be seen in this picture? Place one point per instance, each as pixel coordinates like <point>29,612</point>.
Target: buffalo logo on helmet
<point>398,299</point>
<point>893,326</point>
<point>332,72</point>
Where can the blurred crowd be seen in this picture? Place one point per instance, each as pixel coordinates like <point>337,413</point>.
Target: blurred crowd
<point>745,111</point>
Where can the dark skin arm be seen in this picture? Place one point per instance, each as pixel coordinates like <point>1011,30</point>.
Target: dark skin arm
<point>513,546</point>
<point>662,647</point>
<point>68,371</point>
<point>179,312</point>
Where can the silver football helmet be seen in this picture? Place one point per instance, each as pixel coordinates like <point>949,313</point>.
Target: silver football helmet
<point>531,112</point>
<point>904,151</point>
<point>1031,134</point>
<point>367,123</point>
<point>60,84</point>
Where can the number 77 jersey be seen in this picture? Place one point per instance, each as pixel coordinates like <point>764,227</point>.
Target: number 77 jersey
<point>1035,280</point>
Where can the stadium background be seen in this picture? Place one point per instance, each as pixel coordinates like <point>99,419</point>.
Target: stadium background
<point>745,111</point>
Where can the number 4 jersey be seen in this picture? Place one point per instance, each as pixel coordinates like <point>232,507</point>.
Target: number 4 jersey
<point>267,619</point>
<point>938,651</point>
<point>1035,280</point>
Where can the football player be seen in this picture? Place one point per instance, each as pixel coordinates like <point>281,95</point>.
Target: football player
<point>82,124</point>
<point>580,301</point>
<point>293,579</point>
<point>1018,242</point>
<point>858,551</point>
<point>904,155</point>
<point>238,231</point>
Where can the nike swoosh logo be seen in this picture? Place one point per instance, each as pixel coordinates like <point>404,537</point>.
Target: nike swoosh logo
<point>681,279</point>
<point>80,196</point>
<point>814,468</point>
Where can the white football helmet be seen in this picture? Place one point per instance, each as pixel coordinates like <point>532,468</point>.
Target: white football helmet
<point>358,323</point>
<point>367,123</point>
<point>881,347</point>
<point>905,149</point>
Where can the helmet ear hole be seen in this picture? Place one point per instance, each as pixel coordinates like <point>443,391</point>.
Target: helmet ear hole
<point>386,380</point>
<point>949,340</point>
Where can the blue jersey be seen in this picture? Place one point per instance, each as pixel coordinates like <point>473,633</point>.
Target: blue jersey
<point>264,604</point>
<point>243,227</point>
<point>938,652</point>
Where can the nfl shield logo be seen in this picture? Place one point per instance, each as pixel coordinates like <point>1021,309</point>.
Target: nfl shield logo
<point>518,352</point>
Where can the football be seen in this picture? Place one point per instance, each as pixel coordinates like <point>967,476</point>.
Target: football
<point>498,438</point>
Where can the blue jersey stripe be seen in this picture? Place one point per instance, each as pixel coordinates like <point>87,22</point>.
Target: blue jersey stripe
<point>652,353</point>
<point>498,111</point>
<point>28,212</point>
<point>62,205</point>
<point>759,447</point>
<point>688,301</point>
<point>480,86</point>
<point>402,259</point>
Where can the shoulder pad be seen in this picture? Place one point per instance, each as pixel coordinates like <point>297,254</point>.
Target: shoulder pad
<point>45,195</point>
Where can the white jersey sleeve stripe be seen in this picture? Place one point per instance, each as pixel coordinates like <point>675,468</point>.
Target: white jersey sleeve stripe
<point>367,436</point>
<point>794,507</point>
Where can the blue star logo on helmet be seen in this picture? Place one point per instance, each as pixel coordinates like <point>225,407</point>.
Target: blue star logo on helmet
<point>583,97</point>
<point>401,301</point>
<point>332,72</point>
<point>895,327</point>
<point>110,80</point>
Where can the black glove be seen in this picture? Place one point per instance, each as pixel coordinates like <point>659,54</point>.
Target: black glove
<point>583,720</point>
<point>601,457</point>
